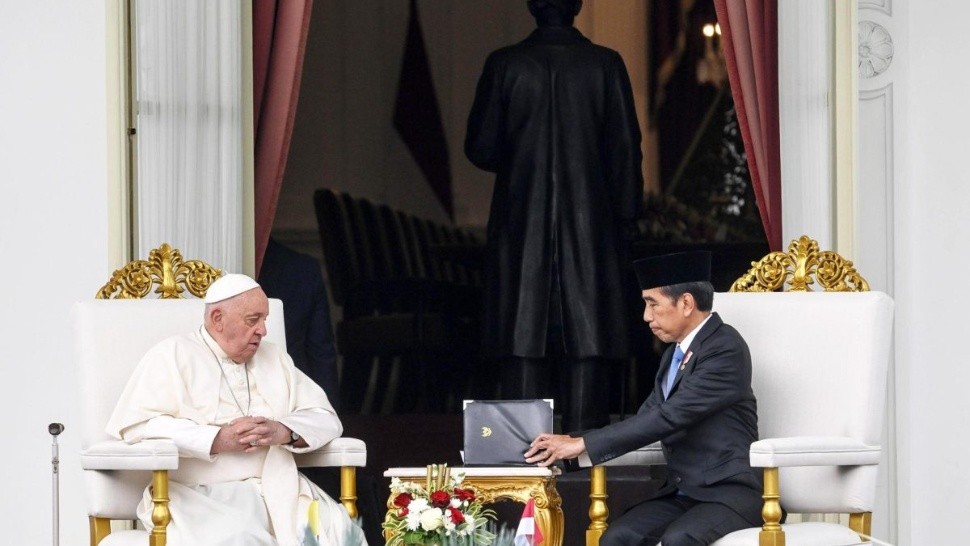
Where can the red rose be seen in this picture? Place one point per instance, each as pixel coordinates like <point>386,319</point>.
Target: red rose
<point>403,500</point>
<point>440,499</point>
<point>402,512</point>
<point>465,494</point>
<point>456,515</point>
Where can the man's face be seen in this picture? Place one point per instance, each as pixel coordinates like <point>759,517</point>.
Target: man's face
<point>668,319</point>
<point>241,324</point>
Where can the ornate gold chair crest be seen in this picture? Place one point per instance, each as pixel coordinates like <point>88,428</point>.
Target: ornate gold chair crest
<point>797,266</point>
<point>164,268</point>
<point>825,352</point>
<point>112,333</point>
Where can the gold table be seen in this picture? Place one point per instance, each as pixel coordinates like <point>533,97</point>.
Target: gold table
<point>515,483</point>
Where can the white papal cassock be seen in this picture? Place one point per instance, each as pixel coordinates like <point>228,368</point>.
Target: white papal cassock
<point>182,391</point>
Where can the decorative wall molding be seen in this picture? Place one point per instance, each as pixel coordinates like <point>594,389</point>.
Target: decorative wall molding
<point>876,180</point>
<point>881,63</point>
<point>875,49</point>
<point>875,215</point>
<point>885,6</point>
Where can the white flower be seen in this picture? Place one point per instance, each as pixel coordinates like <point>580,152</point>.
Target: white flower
<point>455,503</point>
<point>431,519</point>
<point>412,520</point>
<point>449,526</point>
<point>396,485</point>
<point>469,522</point>
<point>417,505</point>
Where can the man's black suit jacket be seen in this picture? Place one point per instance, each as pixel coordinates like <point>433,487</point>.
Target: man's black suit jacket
<point>706,425</point>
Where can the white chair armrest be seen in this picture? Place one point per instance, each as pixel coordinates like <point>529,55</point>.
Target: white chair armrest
<point>118,455</point>
<point>813,451</point>
<point>645,456</point>
<point>339,452</point>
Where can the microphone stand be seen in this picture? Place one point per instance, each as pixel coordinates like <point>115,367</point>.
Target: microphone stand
<point>54,429</point>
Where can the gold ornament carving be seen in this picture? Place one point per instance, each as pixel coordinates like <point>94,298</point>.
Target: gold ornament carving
<point>490,489</point>
<point>797,267</point>
<point>164,268</point>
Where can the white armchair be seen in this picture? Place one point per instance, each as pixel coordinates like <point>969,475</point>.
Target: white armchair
<point>820,364</point>
<point>111,336</point>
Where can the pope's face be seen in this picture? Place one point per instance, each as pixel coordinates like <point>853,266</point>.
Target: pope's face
<point>668,319</point>
<point>241,325</point>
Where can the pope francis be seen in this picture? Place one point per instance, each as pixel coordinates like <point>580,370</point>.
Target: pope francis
<point>237,409</point>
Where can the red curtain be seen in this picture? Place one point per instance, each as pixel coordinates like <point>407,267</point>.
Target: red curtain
<point>279,39</point>
<point>749,36</point>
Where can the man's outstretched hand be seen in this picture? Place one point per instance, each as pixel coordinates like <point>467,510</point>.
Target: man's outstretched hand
<point>546,449</point>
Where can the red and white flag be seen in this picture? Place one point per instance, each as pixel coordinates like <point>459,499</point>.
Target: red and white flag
<point>528,533</point>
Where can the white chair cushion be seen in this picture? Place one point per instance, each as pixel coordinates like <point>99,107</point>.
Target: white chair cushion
<point>813,451</point>
<point>339,452</point>
<point>118,455</point>
<point>797,534</point>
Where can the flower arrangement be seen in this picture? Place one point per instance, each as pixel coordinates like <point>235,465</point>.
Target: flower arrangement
<point>441,512</point>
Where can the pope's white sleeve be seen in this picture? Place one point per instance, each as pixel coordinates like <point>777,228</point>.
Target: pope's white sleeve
<point>316,426</point>
<point>191,439</point>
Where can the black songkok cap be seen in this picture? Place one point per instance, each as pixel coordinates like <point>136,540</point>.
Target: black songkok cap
<point>670,269</point>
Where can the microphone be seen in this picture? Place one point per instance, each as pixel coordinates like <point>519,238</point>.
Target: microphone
<point>55,429</point>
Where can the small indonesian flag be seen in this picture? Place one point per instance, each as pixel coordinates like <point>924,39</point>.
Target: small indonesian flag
<point>528,533</point>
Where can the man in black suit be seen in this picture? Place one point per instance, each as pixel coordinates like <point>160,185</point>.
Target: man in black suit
<point>295,279</point>
<point>702,409</point>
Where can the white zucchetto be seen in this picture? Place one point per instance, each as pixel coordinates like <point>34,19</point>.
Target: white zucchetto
<point>229,285</point>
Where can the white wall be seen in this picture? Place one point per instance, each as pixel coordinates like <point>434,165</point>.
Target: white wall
<point>53,235</point>
<point>932,227</point>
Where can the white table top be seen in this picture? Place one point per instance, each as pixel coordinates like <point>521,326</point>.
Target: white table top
<point>477,471</point>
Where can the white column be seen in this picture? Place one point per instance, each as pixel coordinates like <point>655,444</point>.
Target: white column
<point>806,120</point>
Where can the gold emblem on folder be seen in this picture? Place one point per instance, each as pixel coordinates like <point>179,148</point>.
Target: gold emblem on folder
<point>486,432</point>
